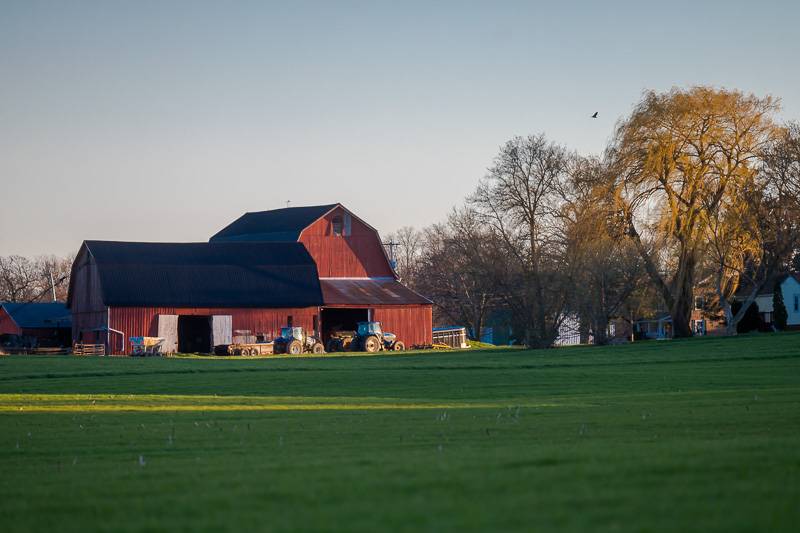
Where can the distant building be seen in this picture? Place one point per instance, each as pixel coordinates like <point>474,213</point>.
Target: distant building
<point>36,324</point>
<point>790,289</point>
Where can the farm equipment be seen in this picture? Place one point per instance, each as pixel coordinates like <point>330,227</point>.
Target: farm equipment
<point>146,346</point>
<point>295,341</point>
<point>370,337</point>
<point>245,343</point>
<point>254,348</point>
<point>340,341</point>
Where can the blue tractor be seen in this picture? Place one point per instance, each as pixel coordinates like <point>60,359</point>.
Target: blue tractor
<point>370,337</point>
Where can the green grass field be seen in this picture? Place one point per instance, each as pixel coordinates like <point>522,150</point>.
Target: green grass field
<point>697,435</point>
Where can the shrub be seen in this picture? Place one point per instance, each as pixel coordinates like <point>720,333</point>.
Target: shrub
<point>779,313</point>
<point>751,321</point>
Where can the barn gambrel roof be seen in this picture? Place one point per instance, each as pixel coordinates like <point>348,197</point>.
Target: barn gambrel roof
<point>277,225</point>
<point>218,274</point>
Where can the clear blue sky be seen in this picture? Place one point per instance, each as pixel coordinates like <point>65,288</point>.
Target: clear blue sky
<point>164,121</point>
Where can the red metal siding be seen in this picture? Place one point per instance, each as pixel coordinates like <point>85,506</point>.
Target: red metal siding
<point>412,324</point>
<point>86,300</point>
<point>357,255</point>
<point>7,324</point>
<point>143,321</point>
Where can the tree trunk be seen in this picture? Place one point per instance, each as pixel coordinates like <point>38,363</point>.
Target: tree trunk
<point>683,295</point>
<point>601,331</point>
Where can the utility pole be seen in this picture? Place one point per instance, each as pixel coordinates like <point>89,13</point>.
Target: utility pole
<point>53,285</point>
<point>391,246</point>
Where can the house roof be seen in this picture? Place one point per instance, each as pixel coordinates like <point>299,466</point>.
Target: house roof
<point>38,315</point>
<point>277,225</point>
<point>368,291</point>
<point>769,287</point>
<point>218,274</point>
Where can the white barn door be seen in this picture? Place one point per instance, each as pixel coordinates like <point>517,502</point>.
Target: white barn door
<point>221,330</point>
<point>168,330</point>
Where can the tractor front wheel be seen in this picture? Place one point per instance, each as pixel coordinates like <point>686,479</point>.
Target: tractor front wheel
<point>294,347</point>
<point>372,344</point>
<point>318,348</point>
<point>398,346</point>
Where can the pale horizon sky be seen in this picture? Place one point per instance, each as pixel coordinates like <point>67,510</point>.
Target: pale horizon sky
<point>166,120</point>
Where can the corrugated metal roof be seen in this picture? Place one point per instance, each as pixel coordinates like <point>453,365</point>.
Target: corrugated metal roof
<point>368,291</point>
<point>277,225</point>
<point>220,274</point>
<point>37,315</point>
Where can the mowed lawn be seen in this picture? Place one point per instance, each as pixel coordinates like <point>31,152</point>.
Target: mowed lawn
<point>696,435</point>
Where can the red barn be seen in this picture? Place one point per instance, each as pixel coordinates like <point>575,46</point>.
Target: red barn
<point>318,267</point>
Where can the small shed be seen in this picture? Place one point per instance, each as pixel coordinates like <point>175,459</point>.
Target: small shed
<point>36,324</point>
<point>452,336</point>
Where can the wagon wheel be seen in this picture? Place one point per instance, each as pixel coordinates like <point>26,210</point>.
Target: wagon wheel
<point>318,348</point>
<point>398,346</point>
<point>237,351</point>
<point>372,344</point>
<point>294,347</point>
<point>331,347</point>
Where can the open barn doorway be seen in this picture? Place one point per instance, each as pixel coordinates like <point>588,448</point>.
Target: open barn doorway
<point>194,334</point>
<point>341,319</point>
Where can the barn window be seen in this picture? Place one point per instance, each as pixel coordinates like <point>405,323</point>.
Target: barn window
<point>347,224</point>
<point>699,301</point>
<point>316,324</point>
<point>289,321</point>
<point>336,223</point>
<point>797,302</point>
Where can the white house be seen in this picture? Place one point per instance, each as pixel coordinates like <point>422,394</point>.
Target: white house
<point>790,288</point>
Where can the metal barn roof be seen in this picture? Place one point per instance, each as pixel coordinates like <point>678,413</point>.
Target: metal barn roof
<point>218,274</point>
<point>38,315</point>
<point>277,225</point>
<point>368,291</point>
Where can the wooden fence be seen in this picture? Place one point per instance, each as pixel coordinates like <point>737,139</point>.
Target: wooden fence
<point>88,349</point>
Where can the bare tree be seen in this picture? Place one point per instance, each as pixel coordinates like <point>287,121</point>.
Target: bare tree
<point>19,279</point>
<point>520,201</point>
<point>30,280</point>
<point>455,270</point>
<point>407,242</point>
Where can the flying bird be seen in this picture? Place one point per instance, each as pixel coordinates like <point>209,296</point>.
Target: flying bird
<point>595,115</point>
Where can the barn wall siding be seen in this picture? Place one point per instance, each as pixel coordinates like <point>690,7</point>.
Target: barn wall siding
<point>359,254</point>
<point>143,321</point>
<point>86,300</point>
<point>7,324</point>
<point>412,324</point>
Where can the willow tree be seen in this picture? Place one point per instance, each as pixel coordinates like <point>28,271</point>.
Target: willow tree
<point>678,160</point>
<point>608,270</point>
<point>754,233</point>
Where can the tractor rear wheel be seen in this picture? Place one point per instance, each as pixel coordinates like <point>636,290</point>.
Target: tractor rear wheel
<point>318,348</point>
<point>372,344</point>
<point>398,346</point>
<point>332,346</point>
<point>294,347</point>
